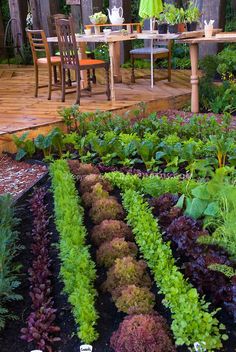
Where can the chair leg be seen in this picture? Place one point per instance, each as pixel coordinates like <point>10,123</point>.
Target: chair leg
<point>49,82</point>
<point>132,70</point>
<point>169,69</point>
<point>63,84</point>
<point>94,78</point>
<point>108,91</point>
<point>36,72</point>
<point>78,89</point>
<point>69,78</point>
<point>60,78</point>
<point>89,81</point>
<point>55,74</point>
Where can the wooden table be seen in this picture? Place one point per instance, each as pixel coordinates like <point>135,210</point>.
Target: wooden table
<point>113,41</point>
<point>194,53</point>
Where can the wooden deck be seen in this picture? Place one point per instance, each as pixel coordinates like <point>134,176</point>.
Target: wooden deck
<point>20,111</point>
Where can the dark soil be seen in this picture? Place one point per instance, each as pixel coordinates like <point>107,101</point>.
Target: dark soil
<point>109,317</point>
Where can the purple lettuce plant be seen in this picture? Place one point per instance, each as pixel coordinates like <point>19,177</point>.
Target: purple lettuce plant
<point>40,327</point>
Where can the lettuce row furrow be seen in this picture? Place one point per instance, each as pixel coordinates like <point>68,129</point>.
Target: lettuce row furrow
<point>191,320</point>
<point>77,269</point>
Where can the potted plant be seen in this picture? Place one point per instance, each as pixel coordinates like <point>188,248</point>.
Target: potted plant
<point>181,20</point>
<point>162,25</point>
<point>171,16</point>
<point>192,16</point>
<point>98,18</point>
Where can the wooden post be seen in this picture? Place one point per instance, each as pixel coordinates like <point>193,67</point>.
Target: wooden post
<point>1,34</point>
<point>36,14</point>
<point>194,49</point>
<point>47,8</point>
<point>89,7</point>
<point>211,10</point>
<point>18,11</point>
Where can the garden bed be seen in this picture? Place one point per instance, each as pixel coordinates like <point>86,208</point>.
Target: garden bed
<point>109,318</point>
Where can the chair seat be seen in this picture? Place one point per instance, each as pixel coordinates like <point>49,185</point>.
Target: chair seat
<point>91,62</point>
<point>54,60</point>
<point>147,51</point>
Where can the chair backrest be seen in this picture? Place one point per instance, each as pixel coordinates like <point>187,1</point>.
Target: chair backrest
<point>160,42</point>
<point>52,23</point>
<point>38,43</point>
<point>67,43</point>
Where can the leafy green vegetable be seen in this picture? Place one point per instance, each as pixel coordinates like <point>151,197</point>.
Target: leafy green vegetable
<point>77,268</point>
<point>9,249</point>
<point>191,320</point>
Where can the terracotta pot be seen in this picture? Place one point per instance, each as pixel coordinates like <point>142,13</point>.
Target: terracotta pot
<point>181,27</point>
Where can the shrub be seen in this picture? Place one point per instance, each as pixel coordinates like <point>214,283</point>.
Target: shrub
<point>78,169</point>
<point>126,271</point>
<point>135,300</point>
<point>89,181</point>
<point>117,248</point>
<point>142,333</point>
<point>77,268</point>
<point>9,249</point>
<point>110,229</point>
<point>106,209</point>
<point>191,320</point>
<point>98,192</point>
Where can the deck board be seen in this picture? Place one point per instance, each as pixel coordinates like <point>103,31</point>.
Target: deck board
<point>20,111</point>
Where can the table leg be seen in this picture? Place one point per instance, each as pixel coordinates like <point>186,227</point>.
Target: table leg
<point>152,65</point>
<point>84,78</point>
<point>116,63</point>
<point>111,53</point>
<point>194,50</point>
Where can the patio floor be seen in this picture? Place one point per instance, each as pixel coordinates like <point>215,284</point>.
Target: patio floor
<point>20,111</point>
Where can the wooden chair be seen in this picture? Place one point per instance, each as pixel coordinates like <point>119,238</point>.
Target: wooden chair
<point>162,50</point>
<point>70,59</point>
<point>39,44</point>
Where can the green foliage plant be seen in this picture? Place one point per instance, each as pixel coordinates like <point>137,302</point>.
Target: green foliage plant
<point>225,223</point>
<point>192,13</point>
<point>152,185</point>
<point>25,147</point>
<point>192,322</point>
<point>9,270</point>
<point>171,14</point>
<point>77,268</point>
<point>50,143</point>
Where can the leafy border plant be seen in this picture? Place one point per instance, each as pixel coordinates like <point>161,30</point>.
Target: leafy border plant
<point>77,268</point>
<point>40,323</point>
<point>191,320</point>
<point>9,248</point>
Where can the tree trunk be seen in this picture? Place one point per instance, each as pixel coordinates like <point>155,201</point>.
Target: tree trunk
<point>1,34</point>
<point>18,12</point>
<point>89,7</point>
<point>211,10</point>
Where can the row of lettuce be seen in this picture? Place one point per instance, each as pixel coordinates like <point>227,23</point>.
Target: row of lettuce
<point>180,297</point>
<point>193,321</point>
<point>154,144</point>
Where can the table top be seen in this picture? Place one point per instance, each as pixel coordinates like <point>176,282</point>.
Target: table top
<point>186,37</point>
<point>218,38</point>
<point>99,38</point>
